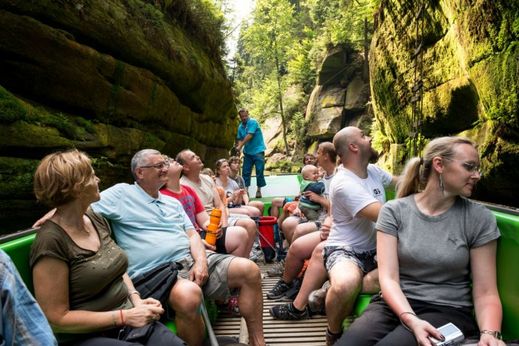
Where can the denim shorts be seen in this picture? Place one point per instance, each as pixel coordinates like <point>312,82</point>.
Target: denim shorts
<point>216,286</point>
<point>365,260</point>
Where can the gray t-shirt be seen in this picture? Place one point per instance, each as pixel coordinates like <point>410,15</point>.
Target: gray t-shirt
<point>434,251</point>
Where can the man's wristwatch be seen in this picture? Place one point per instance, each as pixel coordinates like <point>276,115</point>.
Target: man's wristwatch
<point>495,333</point>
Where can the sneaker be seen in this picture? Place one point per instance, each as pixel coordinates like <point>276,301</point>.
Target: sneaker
<point>316,299</point>
<point>256,255</point>
<point>279,290</point>
<point>287,312</point>
<point>332,338</point>
<point>277,269</point>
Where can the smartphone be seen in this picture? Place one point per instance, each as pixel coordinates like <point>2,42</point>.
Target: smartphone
<point>452,334</point>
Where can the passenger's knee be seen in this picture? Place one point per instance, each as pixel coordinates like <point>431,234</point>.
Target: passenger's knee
<point>244,271</point>
<point>185,297</point>
<point>345,288</point>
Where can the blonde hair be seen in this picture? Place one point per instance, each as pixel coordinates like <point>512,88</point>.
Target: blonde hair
<point>61,176</point>
<point>418,170</point>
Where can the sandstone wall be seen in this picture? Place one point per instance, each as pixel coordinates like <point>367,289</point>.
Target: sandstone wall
<point>105,76</point>
<point>470,79</point>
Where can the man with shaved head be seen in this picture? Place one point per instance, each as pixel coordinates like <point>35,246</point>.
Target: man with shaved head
<point>356,194</point>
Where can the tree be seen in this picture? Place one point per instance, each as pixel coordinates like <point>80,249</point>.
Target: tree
<point>268,41</point>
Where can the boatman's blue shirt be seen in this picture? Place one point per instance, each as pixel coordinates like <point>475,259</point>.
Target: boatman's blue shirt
<point>256,143</point>
<point>151,230</point>
<point>21,320</point>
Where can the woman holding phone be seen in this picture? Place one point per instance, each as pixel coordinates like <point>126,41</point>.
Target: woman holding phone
<point>436,253</point>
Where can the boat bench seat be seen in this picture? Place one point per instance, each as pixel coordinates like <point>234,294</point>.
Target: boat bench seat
<point>19,250</point>
<point>507,276</point>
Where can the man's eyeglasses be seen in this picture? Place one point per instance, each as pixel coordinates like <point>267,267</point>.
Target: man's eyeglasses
<point>160,165</point>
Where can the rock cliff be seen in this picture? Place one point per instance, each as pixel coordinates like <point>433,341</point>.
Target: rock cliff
<point>340,97</point>
<point>107,77</point>
<point>465,54</point>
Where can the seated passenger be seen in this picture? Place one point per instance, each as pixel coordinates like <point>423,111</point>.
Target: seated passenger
<point>205,188</point>
<point>310,182</point>
<point>292,227</point>
<point>234,165</point>
<point>154,229</point>
<point>237,198</point>
<point>231,240</point>
<point>21,320</point>
<point>309,159</point>
<point>356,194</point>
<point>79,272</point>
<point>435,247</point>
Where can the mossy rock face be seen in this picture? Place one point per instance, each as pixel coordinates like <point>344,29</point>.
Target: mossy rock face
<point>340,97</point>
<point>109,77</point>
<point>469,69</point>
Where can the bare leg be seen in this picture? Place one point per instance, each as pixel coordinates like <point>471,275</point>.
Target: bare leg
<point>237,242</point>
<point>314,278</point>
<point>370,282</point>
<point>251,228</point>
<point>288,227</point>
<point>276,203</point>
<point>185,298</point>
<point>246,210</point>
<point>245,275</point>
<point>298,252</point>
<point>346,282</point>
<point>304,228</point>
<point>257,204</point>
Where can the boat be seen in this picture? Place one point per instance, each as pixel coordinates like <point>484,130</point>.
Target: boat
<point>18,245</point>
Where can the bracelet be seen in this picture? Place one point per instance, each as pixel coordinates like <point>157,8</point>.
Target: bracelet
<point>122,317</point>
<point>495,333</point>
<point>134,292</point>
<point>404,313</point>
<point>114,318</point>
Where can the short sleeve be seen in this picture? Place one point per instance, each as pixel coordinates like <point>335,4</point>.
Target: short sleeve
<point>49,242</point>
<point>252,126</point>
<point>482,226</point>
<point>384,176</point>
<point>388,220</point>
<point>108,205</point>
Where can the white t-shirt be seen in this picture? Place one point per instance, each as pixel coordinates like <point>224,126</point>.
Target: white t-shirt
<point>204,190</point>
<point>349,194</point>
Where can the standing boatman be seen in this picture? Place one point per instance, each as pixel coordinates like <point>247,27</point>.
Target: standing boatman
<point>250,138</point>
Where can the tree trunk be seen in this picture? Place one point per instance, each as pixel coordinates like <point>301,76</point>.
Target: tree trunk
<point>280,96</point>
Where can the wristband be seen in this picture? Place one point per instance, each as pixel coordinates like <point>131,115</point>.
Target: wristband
<point>495,333</point>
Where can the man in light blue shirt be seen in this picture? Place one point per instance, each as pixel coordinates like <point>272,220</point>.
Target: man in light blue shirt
<point>21,320</point>
<point>250,138</point>
<point>154,229</point>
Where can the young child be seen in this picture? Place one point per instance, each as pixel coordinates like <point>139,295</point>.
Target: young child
<point>311,183</point>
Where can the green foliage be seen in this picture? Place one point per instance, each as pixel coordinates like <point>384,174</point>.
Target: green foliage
<point>201,19</point>
<point>292,38</point>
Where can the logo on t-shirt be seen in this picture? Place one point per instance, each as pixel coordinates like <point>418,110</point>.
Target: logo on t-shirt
<point>376,192</point>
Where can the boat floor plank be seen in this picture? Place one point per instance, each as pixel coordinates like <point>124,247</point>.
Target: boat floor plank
<point>309,332</point>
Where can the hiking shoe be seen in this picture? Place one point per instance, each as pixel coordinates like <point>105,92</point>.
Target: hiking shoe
<point>277,269</point>
<point>316,299</point>
<point>332,338</point>
<point>279,290</point>
<point>288,312</point>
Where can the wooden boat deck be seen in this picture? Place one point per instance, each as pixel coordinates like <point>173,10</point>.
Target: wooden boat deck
<point>306,332</point>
